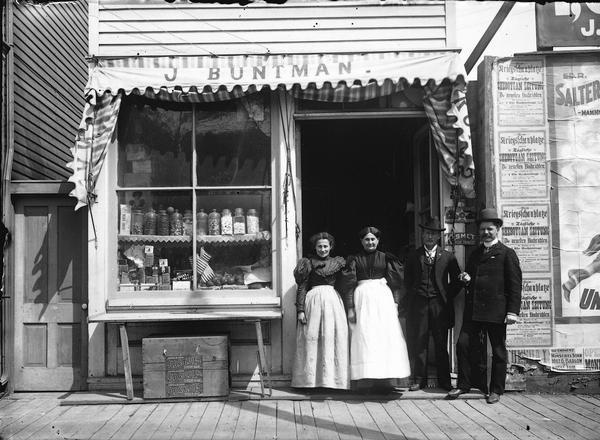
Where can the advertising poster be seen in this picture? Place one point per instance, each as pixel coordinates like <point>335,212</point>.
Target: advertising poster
<point>520,91</point>
<point>527,230</point>
<point>567,358</point>
<point>534,328</point>
<point>523,166</point>
<point>574,114</point>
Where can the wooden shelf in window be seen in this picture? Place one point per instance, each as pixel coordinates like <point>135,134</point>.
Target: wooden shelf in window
<point>261,237</point>
<point>155,238</point>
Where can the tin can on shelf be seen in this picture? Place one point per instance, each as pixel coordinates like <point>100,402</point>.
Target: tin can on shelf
<point>214,223</point>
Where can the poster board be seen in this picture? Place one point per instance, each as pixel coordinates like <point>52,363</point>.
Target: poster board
<point>523,190</point>
<point>546,160</point>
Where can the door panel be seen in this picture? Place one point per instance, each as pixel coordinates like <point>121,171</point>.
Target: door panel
<point>50,288</point>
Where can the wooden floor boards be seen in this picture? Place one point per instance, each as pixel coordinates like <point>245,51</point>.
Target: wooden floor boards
<point>516,416</point>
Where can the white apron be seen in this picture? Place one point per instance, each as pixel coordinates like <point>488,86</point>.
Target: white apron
<point>321,358</point>
<point>377,344</point>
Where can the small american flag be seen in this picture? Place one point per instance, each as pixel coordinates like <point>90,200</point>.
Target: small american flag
<point>202,267</point>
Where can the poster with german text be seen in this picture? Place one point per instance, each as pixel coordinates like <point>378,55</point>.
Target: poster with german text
<point>534,328</point>
<point>523,165</point>
<point>527,230</point>
<point>520,92</point>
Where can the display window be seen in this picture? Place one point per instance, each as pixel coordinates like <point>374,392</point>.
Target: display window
<point>193,195</point>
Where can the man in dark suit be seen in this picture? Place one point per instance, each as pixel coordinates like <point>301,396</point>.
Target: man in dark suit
<point>493,300</point>
<point>431,280</point>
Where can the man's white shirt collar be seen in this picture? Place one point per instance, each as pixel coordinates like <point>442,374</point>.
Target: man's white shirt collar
<point>430,253</point>
<point>491,243</point>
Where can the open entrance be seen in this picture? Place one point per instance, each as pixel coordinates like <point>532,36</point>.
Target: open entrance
<point>365,172</point>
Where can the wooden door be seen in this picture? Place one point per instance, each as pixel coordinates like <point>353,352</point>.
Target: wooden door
<point>50,295</point>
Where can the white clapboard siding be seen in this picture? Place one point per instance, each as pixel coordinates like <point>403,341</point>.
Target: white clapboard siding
<point>155,27</point>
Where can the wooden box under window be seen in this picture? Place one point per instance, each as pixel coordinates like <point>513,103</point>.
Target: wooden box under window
<point>190,366</point>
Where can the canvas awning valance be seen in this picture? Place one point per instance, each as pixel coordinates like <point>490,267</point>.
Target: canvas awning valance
<point>323,77</point>
<point>253,72</point>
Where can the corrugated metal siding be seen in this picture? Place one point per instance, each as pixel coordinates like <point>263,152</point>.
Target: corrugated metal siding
<point>154,27</point>
<point>50,72</point>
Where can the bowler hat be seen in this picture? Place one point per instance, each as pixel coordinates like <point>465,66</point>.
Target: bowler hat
<point>489,215</point>
<point>432,224</point>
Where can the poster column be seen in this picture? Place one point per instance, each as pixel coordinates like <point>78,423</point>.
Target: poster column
<point>523,194</point>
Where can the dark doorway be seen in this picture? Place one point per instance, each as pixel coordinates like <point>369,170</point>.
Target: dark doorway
<point>358,173</point>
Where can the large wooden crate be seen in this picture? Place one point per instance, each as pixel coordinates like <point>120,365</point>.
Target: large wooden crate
<point>190,366</point>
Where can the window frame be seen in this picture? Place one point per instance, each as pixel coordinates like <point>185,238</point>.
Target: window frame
<point>186,300</point>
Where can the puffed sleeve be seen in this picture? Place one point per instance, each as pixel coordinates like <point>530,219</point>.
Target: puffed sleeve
<point>346,283</point>
<point>301,273</point>
<point>394,275</point>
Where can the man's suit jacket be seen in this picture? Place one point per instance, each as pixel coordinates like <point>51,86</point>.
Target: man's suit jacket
<point>495,286</point>
<point>446,271</point>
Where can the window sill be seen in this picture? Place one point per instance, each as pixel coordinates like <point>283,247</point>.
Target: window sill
<point>188,300</point>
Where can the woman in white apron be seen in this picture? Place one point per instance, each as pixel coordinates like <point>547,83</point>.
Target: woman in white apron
<point>321,358</point>
<point>372,291</point>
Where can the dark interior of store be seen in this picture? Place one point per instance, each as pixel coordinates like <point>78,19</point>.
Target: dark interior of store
<point>357,173</point>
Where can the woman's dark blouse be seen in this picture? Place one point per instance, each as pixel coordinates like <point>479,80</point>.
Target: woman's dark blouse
<point>371,266</point>
<point>312,272</point>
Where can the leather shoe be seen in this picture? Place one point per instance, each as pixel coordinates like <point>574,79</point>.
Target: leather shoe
<point>453,394</point>
<point>414,387</point>
<point>493,398</point>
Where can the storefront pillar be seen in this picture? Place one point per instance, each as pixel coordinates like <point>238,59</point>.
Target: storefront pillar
<point>287,200</point>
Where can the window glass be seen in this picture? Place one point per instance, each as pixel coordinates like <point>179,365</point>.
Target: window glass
<point>214,236</point>
<point>233,143</point>
<point>154,141</point>
<point>155,240</point>
<point>234,238</point>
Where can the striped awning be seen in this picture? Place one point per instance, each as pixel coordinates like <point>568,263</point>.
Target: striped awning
<point>205,75</point>
<point>322,77</point>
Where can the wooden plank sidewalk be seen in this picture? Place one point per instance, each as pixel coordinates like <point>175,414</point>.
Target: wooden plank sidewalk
<point>517,416</point>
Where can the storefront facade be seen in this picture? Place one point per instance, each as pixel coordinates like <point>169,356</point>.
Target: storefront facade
<point>280,144</point>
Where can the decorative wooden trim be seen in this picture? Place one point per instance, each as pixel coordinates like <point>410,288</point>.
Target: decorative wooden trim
<point>93,27</point>
<point>450,17</point>
<point>261,237</point>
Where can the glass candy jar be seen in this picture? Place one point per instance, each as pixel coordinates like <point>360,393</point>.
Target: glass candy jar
<point>226,222</point>
<point>162,223</point>
<point>150,222</point>
<point>252,222</point>
<point>188,223</point>
<point>239,222</point>
<point>137,222</point>
<point>202,223</point>
<point>214,223</point>
<point>176,223</point>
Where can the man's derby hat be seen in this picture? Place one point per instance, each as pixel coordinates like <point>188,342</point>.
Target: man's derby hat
<point>489,215</point>
<point>432,224</point>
